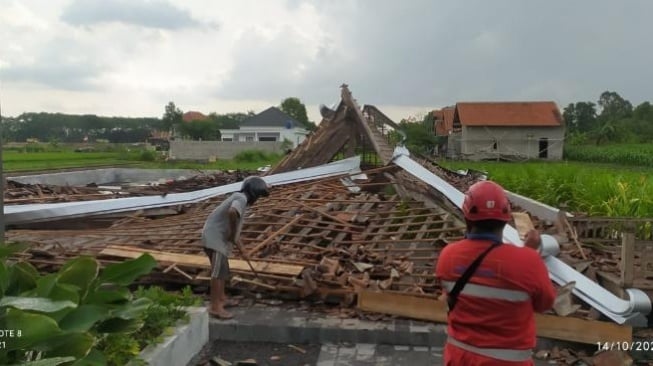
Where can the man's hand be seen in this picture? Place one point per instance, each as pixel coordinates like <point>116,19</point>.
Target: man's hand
<point>533,239</point>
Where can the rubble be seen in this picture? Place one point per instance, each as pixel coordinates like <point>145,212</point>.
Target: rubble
<point>322,240</point>
<point>345,241</point>
<point>17,193</point>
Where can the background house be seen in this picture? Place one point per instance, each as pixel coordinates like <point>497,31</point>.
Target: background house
<point>443,126</point>
<point>191,116</point>
<point>270,125</point>
<point>443,120</point>
<point>503,130</point>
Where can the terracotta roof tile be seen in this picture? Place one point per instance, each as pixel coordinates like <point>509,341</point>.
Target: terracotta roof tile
<point>194,116</point>
<point>509,114</point>
<point>443,121</point>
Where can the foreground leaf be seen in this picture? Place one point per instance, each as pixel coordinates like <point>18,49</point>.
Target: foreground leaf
<point>109,297</point>
<point>134,309</point>
<point>62,291</point>
<point>45,284</point>
<point>4,278</point>
<point>39,304</point>
<point>22,277</point>
<point>126,272</point>
<point>77,345</point>
<point>34,329</point>
<point>83,318</point>
<point>79,272</point>
<point>119,325</point>
<point>93,358</point>
<point>8,249</point>
<point>53,361</point>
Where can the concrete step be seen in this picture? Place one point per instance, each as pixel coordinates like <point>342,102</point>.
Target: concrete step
<point>365,354</point>
<point>261,323</point>
<point>265,323</point>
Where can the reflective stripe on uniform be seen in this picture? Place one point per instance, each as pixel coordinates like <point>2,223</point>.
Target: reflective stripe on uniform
<point>473,289</point>
<point>504,354</point>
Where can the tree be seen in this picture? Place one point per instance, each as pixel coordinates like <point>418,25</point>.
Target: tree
<point>581,116</point>
<point>200,130</point>
<point>296,109</point>
<point>614,107</point>
<point>644,112</point>
<point>172,116</point>
<point>226,121</point>
<point>419,133</point>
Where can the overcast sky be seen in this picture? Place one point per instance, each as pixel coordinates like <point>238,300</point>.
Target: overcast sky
<point>131,57</point>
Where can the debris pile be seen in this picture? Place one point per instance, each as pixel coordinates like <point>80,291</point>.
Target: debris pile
<point>341,241</point>
<point>319,239</point>
<point>20,193</point>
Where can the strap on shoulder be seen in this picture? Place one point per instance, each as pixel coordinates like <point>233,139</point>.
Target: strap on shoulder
<point>452,297</point>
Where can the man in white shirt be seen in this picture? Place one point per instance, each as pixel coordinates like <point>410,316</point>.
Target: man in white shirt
<point>221,231</point>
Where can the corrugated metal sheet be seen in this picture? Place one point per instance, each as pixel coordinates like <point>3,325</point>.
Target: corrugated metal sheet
<point>67,210</point>
<point>632,311</point>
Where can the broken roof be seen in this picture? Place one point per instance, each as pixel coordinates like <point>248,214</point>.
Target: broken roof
<point>514,114</point>
<point>344,236</point>
<point>343,132</point>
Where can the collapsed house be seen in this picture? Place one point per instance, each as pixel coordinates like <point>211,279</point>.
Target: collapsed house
<point>353,219</point>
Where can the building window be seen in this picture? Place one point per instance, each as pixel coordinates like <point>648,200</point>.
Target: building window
<point>267,139</point>
<point>227,139</point>
<point>249,138</point>
<point>494,146</point>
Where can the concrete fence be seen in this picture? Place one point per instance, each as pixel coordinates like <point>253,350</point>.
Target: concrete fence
<point>215,150</point>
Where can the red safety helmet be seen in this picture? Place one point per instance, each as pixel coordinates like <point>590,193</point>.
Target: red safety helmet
<point>486,200</point>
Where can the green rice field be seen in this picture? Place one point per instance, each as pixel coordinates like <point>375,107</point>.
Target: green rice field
<point>596,189</point>
<point>17,161</point>
<point>623,154</point>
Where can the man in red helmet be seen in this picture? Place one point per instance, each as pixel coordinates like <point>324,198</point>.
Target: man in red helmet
<point>493,290</point>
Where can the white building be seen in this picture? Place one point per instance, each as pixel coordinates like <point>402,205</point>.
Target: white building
<point>270,125</point>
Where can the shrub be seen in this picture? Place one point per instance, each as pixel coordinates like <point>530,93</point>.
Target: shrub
<point>65,315</point>
<point>253,156</point>
<point>148,155</point>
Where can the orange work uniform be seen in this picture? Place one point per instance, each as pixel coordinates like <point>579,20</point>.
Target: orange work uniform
<point>493,322</point>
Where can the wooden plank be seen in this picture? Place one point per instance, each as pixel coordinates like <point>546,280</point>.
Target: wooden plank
<point>202,261</point>
<point>523,223</point>
<point>272,236</point>
<point>343,222</point>
<point>627,259</point>
<point>548,326</point>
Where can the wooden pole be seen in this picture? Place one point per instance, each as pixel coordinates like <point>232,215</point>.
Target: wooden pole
<point>627,259</point>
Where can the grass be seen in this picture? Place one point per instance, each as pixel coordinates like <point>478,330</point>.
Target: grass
<point>17,161</point>
<point>623,154</point>
<point>596,189</point>
<point>20,160</point>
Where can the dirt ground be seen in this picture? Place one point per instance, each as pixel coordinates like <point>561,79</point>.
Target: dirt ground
<point>265,354</point>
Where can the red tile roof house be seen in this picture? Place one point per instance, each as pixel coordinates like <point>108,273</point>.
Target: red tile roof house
<point>503,130</point>
<point>194,116</point>
<point>444,121</point>
<point>443,126</point>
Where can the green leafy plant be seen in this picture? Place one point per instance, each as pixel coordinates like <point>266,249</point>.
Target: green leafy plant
<point>61,316</point>
<point>164,313</point>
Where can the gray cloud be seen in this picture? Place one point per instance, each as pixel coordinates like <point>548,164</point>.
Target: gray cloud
<point>147,13</point>
<point>428,53</point>
<point>67,77</point>
<point>60,65</point>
